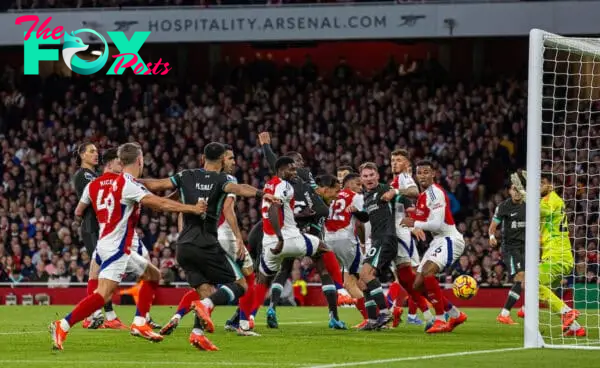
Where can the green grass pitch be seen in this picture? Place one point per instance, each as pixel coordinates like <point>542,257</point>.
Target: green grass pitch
<point>302,341</point>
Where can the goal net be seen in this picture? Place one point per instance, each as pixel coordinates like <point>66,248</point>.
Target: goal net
<point>563,139</point>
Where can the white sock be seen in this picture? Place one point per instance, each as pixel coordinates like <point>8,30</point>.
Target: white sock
<point>65,325</point>
<point>565,309</point>
<point>197,331</point>
<point>139,321</point>
<point>454,312</point>
<point>440,317</point>
<point>244,324</point>
<point>97,314</point>
<point>427,315</point>
<point>505,312</point>
<point>176,316</point>
<point>148,316</point>
<point>111,316</point>
<point>384,311</point>
<point>412,316</point>
<point>574,326</point>
<point>208,303</point>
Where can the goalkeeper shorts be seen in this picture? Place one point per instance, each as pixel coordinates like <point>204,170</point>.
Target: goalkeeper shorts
<point>552,273</point>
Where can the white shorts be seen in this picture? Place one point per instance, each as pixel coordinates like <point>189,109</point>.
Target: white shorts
<point>303,245</point>
<point>228,246</point>
<point>348,254</point>
<point>443,252</point>
<point>407,248</point>
<point>140,249</point>
<point>115,264</point>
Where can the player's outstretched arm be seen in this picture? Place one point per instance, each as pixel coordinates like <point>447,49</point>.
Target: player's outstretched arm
<point>158,185</point>
<point>166,205</point>
<point>245,190</point>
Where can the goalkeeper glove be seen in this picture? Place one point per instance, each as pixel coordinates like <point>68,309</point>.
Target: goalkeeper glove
<point>519,180</point>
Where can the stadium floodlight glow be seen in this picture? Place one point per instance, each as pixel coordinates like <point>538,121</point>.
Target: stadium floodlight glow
<point>563,84</point>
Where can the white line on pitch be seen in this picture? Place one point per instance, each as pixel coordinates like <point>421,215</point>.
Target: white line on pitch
<point>22,332</point>
<point>146,363</point>
<point>407,359</point>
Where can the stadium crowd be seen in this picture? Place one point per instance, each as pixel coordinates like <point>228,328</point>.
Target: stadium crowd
<point>473,133</point>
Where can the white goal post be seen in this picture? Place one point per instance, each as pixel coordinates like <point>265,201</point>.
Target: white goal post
<point>563,141</point>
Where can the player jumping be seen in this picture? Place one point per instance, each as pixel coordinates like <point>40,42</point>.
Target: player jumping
<point>283,239</point>
<point>432,214</point>
<point>511,214</point>
<point>122,203</point>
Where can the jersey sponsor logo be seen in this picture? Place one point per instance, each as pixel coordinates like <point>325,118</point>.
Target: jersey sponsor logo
<point>89,176</point>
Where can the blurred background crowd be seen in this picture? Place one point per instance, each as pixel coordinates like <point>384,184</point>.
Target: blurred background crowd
<point>473,132</point>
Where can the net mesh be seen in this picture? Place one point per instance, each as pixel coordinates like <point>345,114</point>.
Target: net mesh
<point>569,270</point>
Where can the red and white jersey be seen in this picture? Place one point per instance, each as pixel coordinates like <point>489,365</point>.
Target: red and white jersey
<point>96,194</point>
<point>224,231</point>
<point>403,181</point>
<point>433,213</point>
<point>122,205</point>
<point>285,192</point>
<point>340,224</point>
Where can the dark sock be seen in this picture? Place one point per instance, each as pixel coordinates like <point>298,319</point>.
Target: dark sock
<point>279,281</point>
<point>227,294</point>
<point>330,292</point>
<point>371,306</point>
<point>108,307</point>
<point>513,296</point>
<point>236,316</point>
<point>198,323</point>
<point>376,292</point>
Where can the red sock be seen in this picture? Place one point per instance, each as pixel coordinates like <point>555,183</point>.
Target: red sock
<point>87,306</point>
<point>186,301</point>
<point>412,306</point>
<point>333,268</point>
<point>147,291</point>
<point>92,285</point>
<point>247,300</point>
<point>360,305</point>
<point>260,293</point>
<point>434,293</point>
<point>407,278</point>
<point>394,292</point>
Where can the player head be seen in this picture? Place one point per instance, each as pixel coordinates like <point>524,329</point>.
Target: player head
<point>369,175</point>
<point>132,159</point>
<point>297,157</point>
<point>400,161</point>
<point>285,168</point>
<point>111,161</point>
<point>228,160</point>
<point>425,174</point>
<point>214,155</point>
<point>328,187</point>
<point>342,171</point>
<point>88,155</point>
<point>352,182</point>
<point>546,186</point>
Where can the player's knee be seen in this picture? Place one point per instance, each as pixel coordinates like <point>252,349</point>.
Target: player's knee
<point>418,284</point>
<point>152,273</point>
<point>106,288</point>
<point>205,290</point>
<point>520,276</point>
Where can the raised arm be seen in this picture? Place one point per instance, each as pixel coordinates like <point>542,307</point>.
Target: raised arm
<point>166,205</point>
<point>158,185</point>
<point>265,142</point>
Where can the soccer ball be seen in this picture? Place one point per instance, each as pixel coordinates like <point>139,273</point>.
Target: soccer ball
<point>465,287</point>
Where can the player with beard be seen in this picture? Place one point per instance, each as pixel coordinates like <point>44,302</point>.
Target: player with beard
<point>432,214</point>
<point>408,255</point>
<point>199,252</point>
<point>310,213</point>
<point>87,153</point>
<point>230,238</point>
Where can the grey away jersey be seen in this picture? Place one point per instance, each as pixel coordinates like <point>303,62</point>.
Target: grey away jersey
<point>201,184</point>
<point>81,179</point>
<point>512,217</point>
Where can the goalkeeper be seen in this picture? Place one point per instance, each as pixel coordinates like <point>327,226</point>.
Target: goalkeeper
<point>557,256</point>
